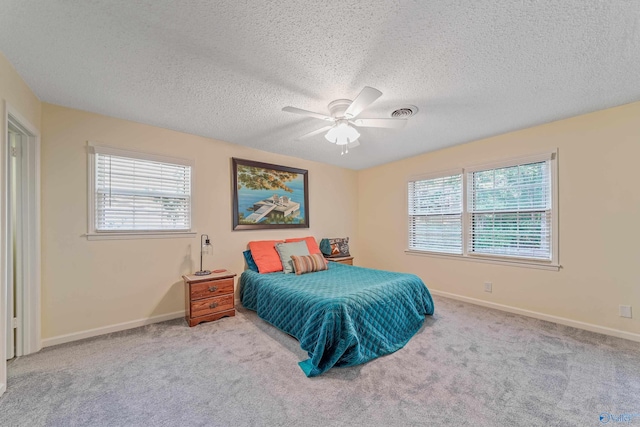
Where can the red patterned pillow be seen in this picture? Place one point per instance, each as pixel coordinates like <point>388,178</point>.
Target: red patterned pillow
<point>308,263</point>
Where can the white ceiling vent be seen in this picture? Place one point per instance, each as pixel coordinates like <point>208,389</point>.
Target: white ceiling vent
<point>405,112</point>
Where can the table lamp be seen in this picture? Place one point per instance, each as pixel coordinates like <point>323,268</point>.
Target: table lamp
<point>205,244</point>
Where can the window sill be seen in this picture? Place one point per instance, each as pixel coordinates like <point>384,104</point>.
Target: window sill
<point>141,235</point>
<point>512,263</point>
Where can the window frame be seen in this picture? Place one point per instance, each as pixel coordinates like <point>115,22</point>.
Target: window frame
<point>430,176</point>
<point>92,233</point>
<point>552,264</point>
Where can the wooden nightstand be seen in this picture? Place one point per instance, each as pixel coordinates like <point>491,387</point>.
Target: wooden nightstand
<point>342,260</point>
<point>208,297</point>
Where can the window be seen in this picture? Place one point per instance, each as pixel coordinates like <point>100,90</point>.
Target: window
<point>435,214</point>
<point>134,193</point>
<point>508,212</point>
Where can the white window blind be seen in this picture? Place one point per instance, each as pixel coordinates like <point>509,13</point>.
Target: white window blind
<point>435,214</point>
<point>510,211</point>
<point>136,194</point>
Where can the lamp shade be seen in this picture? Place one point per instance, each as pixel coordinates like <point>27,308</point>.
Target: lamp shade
<point>342,133</point>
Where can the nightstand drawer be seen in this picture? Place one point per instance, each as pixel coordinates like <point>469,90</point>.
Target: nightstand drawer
<point>347,260</point>
<point>209,298</point>
<point>207,306</point>
<point>211,289</point>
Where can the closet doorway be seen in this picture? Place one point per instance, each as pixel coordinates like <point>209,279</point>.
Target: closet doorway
<point>20,236</point>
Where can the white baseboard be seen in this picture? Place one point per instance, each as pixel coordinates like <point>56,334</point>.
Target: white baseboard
<point>537,315</point>
<point>3,388</point>
<point>61,339</point>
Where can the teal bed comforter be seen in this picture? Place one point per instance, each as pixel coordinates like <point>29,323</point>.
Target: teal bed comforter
<point>343,316</point>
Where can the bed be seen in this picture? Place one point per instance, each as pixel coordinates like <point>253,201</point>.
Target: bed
<point>342,316</point>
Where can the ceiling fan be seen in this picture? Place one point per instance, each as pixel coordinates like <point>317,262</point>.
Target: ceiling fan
<point>343,113</point>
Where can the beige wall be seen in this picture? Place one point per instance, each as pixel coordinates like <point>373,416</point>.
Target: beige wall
<point>16,92</point>
<point>92,284</point>
<point>599,223</point>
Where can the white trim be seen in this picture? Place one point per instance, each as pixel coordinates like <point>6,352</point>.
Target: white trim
<point>432,175</point>
<point>29,303</point>
<point>61,339</point>
<point>94,148</point>
<point>451,173</point>
<point>28,311</point>
<point>26,124</point>
<point>513,262</point>
<point>465,215</point>
<point>29,332</point>
<point>552,264</point>
<point>3,246</point>
<point>513,161</point>
<point>549,156</point>
<point>91,196</point>
<point>542,316</point>
<point>111,235</point>
<point>92,234</point>
<point>555,209</point>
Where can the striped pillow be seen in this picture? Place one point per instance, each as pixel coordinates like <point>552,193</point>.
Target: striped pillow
<point>308,263</point>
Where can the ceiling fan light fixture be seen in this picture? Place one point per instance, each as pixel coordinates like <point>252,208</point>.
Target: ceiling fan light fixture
<point>342,133</point>
<point>343,113</point>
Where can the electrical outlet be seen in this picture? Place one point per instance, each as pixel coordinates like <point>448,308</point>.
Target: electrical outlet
<point>488,287</point>
<point>625,311</point>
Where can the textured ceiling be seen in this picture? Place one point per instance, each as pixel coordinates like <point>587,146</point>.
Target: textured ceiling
<point>225,69</point>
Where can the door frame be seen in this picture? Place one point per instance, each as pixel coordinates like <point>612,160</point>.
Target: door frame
<point>29,327</point>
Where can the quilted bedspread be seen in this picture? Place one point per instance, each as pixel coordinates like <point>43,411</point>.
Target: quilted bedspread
<point>343,316</point>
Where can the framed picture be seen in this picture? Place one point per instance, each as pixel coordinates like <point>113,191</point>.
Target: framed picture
<point>269,196</point>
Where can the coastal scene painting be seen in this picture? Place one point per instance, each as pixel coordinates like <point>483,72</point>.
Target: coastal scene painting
<point>269,196</point>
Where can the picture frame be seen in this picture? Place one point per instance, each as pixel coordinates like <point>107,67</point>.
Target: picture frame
<point>268,196</point>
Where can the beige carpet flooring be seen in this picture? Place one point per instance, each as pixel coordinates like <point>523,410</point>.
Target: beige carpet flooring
<point>468,366</point>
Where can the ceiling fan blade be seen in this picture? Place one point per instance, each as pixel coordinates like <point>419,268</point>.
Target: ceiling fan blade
<point>354,144</point>
<point>314,133</point>
<point>362,101</point>
<point>380,123</point>
<point>307,113</point>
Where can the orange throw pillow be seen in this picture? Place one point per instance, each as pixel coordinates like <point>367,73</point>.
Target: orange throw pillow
<point>265,255</point>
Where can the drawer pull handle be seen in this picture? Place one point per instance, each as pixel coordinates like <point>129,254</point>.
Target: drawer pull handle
<point>213,305</point>
<point>213,288</point>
